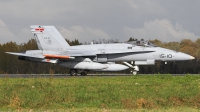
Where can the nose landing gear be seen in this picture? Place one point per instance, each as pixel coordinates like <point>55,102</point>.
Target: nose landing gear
<point>135,69</point>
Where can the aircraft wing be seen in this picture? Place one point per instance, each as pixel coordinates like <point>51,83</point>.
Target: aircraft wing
<point>71,54</point>
<point>75,53</point>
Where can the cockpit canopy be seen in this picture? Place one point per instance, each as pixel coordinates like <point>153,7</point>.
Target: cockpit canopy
<point>142,43</point>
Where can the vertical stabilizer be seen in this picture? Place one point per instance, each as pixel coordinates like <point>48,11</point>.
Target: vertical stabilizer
<point>48,38</point>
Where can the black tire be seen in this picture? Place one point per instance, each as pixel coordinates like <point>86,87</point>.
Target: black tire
<point>73,72</point>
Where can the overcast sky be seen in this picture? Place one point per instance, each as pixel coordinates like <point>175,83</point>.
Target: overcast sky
<point>87,20</point>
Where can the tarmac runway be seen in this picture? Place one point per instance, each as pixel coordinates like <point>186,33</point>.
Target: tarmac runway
<point>54,75</point>
<point>68,76</point>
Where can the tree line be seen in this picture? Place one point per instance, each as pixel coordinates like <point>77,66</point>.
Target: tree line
<point>9,64</point>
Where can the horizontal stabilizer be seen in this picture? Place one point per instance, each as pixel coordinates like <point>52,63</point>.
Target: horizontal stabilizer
<point>27,55</point>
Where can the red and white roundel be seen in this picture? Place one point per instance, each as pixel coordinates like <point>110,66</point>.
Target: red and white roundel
<point>39,29</point>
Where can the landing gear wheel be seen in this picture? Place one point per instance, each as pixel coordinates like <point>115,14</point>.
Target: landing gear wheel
<point>134,72</point>
<point>73,72</point>
<point>83,73</point>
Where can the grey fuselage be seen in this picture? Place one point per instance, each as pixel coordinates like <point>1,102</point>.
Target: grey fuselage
<point>127,52</point>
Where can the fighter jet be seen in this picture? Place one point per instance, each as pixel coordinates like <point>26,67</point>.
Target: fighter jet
<point>53,48</point>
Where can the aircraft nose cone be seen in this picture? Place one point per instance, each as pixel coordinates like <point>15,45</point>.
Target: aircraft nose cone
<point>191,57</point>
<point>182,56</point>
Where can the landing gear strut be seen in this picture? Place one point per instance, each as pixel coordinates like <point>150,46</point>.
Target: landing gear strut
<point>135,68</point>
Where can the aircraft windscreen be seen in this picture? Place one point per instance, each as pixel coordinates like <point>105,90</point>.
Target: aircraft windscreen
<point>142,43</point>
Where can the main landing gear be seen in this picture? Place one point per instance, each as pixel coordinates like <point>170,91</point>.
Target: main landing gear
<point>74,72</point>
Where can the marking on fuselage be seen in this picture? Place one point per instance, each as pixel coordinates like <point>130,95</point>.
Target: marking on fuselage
<point>166,56</point>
